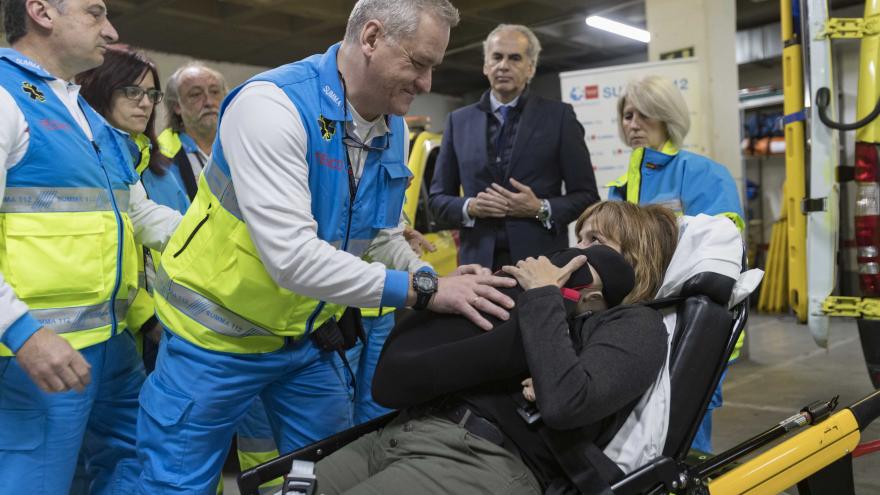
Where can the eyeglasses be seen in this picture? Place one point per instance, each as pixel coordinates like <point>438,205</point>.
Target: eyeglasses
<point>353,141</point>
<point>136,93</point>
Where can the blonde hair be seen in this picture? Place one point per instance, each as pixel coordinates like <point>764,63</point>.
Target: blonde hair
<point>647,236</point>
<point>658,98</point>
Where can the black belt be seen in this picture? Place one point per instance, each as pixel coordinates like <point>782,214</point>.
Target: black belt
<point>477,425</point>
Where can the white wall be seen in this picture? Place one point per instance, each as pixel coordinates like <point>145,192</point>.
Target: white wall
<point>709,26</point>
<point>167,63</point>
<point>435,106</point>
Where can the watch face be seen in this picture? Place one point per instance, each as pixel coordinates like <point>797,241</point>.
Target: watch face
<point>425,283</point>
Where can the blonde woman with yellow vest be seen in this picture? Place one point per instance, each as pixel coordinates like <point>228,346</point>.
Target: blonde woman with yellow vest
<point>653,119</point>
<point>71,213</point>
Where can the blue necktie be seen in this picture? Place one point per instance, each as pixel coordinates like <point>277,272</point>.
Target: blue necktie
<point>502,130</point>
<point>505,110</point>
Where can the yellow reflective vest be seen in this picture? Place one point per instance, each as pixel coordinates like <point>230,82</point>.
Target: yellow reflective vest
<point>141,309</point>
<point>66,240</point>
<point>212,288</point>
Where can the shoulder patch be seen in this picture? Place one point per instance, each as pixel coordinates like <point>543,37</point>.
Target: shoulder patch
<point>33,92</point>
<point>328,127</point>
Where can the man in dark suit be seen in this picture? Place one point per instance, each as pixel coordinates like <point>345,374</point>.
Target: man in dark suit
<point>511,153</point>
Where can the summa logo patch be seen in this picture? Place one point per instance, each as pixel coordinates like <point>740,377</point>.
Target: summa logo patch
<point>328,127</point>
<point>332,95</point>
<point>33,92</point>
<point>28,63</point>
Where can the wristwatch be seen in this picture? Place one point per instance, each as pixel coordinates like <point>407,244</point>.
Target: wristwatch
<point>543,211</point>
<point>424,282</point>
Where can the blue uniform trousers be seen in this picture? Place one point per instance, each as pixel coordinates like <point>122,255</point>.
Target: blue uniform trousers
<point>703,438</point>
<point>193,402</point>
<point>377,330</point>
<point>42,434</point>
<point>256,443</point>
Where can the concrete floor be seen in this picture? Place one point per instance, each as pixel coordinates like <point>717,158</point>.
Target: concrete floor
<point>786,371</point>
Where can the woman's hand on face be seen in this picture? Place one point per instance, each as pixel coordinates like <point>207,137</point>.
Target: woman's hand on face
<point>528,389</point>
<point>532,273</point>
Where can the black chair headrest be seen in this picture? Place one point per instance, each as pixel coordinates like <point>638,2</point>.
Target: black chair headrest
<point>715,286</point>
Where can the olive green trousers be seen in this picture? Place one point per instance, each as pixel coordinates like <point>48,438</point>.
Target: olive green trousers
<point>424,456</point>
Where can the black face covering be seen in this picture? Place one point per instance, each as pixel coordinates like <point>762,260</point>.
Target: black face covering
<point>618,278</point>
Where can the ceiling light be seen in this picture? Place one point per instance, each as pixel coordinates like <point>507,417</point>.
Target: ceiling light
<point>619,28</point>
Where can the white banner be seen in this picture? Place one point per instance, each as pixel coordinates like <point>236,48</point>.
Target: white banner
<point>594,94</point>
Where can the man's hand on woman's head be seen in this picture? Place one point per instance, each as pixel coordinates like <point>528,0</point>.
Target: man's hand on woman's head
<point>532,273</point>
<point>470,294</point>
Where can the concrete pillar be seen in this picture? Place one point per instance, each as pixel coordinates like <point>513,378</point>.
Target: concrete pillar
<point>709,26</point>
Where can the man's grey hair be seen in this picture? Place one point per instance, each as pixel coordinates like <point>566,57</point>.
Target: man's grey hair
<point>532,50</point>
<point>400,18</point>
<point>172,91</point>
<point>658,98</point>
<point>15,17</point>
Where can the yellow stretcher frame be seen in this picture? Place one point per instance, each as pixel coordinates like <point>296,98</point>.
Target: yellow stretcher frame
<point>869,80</point>
<point>793,460</point>
<point>445,258</point>
<point>795,170</point>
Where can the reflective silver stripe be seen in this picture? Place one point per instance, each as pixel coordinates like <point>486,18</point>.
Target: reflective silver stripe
<point>221,187</point>
<point>61,199</point>
<point>76,319</point>
<point>205,311</point>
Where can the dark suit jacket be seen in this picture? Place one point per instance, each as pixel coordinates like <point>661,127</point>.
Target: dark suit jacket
<point>548,150</point>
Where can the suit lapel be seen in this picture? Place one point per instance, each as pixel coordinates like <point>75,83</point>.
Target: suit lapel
<point>476,130</point>
<point>528,122</point>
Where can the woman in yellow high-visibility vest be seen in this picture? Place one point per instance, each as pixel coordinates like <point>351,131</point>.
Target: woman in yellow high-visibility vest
<point>653,119</point>
<point>125,90</point>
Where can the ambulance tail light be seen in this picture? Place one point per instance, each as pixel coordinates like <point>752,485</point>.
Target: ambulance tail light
<point>867,219</point>
<point>866,162</point>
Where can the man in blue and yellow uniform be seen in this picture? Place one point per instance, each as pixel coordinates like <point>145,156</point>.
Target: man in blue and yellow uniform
<point>192,103</point>
<point>307,175</point>
<point>69,209</point>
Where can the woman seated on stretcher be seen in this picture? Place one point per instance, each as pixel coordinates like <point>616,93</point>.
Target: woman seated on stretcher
<point>465,427</point>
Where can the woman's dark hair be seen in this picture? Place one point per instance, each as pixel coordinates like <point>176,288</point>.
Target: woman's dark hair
<point>123,66</point>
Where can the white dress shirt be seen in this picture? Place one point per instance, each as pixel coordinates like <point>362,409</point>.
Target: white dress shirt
<point>466,220</point>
